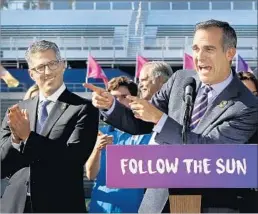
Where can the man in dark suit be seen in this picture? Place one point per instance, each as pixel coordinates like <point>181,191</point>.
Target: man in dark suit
<point>224,111</point>
<point>46,140</point>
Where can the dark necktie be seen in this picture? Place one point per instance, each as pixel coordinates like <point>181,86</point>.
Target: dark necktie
<point>200,106</point>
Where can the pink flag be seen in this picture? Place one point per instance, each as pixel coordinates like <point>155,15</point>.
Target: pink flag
<point>140,61</point>
<point>188,62</point>
<point>95,71</point>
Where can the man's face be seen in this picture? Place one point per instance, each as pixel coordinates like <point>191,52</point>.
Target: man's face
<point>211,62</point>
<point>48,78</point>
<point>120,94</point>
<point>148,85</point>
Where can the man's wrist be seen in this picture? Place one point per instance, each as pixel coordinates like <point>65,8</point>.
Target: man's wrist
<point>25,138</point>
<point>111,104</point>
<point>15,140</point>
<point>157,117</point>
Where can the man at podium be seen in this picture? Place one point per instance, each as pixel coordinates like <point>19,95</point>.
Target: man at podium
<point>223,111</point>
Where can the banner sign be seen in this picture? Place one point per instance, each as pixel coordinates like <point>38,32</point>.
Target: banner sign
<point>182,166</point>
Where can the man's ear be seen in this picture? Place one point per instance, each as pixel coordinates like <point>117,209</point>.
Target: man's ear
<point>31,75</point>
<point>64,65</point>
<point>231,52</point>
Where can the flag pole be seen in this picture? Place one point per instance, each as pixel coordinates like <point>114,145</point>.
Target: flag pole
<point>184,60</point>
<point>136,68</point>
<point>87,72</point>
<point>0,83</point>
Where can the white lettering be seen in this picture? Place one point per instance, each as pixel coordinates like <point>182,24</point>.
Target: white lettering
<point>241,166</point>
<point>219,164</point>
<point>141,167</point>
<point>150,167</point>
<point>206,164</point>
<point>160,165</point>
<point>133,166</point>
<point>172,166</point>
<point>188,163</point>
<point>123,165</point>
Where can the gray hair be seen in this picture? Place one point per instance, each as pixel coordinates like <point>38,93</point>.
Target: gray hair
<point>229,38</point>
<point>159,68</point>
<point>41,46</point>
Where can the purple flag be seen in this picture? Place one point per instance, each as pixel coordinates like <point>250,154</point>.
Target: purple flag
<point>242,66</point>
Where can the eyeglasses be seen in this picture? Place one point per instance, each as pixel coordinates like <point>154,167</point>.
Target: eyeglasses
<point>52,65</point>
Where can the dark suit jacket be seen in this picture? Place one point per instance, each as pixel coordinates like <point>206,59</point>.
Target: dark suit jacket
<point>55,158</point>
<point>233,123</point>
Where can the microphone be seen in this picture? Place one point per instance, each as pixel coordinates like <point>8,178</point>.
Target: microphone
<point>189,90</point>
<point>189,96</point>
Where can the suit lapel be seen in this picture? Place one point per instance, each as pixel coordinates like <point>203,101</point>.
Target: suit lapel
<point>221,103</point>
<point>198,83</point>
<point>32,110</point>
<point>56,112</point>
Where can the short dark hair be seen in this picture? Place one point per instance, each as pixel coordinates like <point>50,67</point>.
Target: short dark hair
<point>229,38</point>
<point>116,82</point>
<point>40,46</point>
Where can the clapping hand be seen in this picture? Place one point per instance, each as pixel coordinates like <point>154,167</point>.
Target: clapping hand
<point>18,121</point>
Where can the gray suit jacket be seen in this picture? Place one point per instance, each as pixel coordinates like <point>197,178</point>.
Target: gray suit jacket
<point>232,123</point>
<point>52,160</point>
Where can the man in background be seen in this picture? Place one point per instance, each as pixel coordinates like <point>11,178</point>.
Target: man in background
<point>152,77</point>
<point>103,198</point>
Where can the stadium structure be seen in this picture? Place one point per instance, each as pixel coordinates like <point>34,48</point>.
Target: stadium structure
<point>113,32</point>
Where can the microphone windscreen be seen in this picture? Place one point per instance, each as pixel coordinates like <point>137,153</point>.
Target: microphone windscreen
<point>191,82</point>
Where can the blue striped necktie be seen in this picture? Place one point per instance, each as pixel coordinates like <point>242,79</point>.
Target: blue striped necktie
<point>43,114</point>
<point>200,107</point>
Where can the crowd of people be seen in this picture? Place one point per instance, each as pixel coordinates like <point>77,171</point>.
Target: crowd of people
<point>52,137</point>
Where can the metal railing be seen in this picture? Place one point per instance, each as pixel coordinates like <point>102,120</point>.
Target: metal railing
<point>168,42</point>
<point>74,87</point>
<point>123,5</point>
<point>22,87</point>
<point>15,45</point>
<point>80,43</point>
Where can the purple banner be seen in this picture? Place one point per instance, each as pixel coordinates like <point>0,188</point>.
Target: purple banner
<point>182,166</point>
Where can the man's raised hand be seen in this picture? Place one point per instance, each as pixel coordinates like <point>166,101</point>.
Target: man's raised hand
<point>100,97</point>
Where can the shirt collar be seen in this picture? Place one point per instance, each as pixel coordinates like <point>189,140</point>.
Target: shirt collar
<point>219,87</point>
<point>54,97</point>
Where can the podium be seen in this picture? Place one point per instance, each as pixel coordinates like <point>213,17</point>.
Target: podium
<point>184,169</point>
<point>185,203</point>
